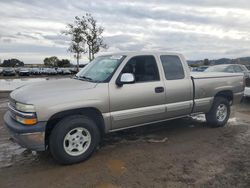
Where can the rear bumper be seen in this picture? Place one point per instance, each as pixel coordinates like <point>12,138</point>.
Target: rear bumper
<point>31,137</point>
<point>247,92</point>
<point>237,97</point>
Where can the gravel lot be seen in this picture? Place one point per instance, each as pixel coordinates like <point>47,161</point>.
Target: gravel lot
<point>180,153</point>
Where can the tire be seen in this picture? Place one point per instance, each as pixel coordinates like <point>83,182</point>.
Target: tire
<point>217,117</point>
<point>68,134</point>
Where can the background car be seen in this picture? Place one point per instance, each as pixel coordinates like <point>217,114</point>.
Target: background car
<point>35,71</point>
<point>59,71</point>
<point>231,68</point>
<point>51,71</point>
<point>24,72</point>
<point>66,72</point>
<point>200,69</point>
<point>247,88</point>
<point>9,72</point>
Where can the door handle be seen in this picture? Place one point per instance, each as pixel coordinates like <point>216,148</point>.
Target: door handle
<point>159,89</point>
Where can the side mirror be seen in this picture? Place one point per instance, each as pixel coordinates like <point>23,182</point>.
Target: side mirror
<point>126,78</point>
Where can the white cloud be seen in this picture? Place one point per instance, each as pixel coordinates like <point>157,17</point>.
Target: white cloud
<point>30,30</point>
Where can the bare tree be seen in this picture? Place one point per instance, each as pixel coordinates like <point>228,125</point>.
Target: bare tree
<point>77,45</point>
<point>86,36</point>
<point>93,35</point>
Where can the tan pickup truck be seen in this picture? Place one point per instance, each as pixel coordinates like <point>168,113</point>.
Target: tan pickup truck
<point>115,92</point>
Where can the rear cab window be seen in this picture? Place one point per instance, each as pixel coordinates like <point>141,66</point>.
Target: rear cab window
<point>172,66</point>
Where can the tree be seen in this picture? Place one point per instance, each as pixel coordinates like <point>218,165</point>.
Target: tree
<point>63,63</point>
<point>12,63</point>
<point>51,61</point>
<point>206,62</point>
<point>86,36</point>
<point>93,35</point>
<point>77,45</point>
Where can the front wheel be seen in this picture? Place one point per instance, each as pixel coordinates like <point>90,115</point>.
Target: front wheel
<point>74,139</point>
<point>219,113</point>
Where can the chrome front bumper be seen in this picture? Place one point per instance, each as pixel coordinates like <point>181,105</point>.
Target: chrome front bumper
<point>30,137</point>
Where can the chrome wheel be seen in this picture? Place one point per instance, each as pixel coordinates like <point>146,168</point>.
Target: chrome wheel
<point>221,112</point>
<point>77,141</point>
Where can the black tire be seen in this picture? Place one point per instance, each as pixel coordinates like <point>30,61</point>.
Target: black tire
<point>211,116</point>
<point>56,139</point>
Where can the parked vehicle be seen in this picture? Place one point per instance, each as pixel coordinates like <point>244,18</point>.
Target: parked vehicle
<point>200,69</point>
<point>116,92</point>
<point>247,88</point>
<point>230,68</point>
<point>35,71</point>
<point>1,70</point>
<point>248,67</point>
<point>74,70</point>
<point>51,71</point>
<point>59,71</point>
<point>66,72</point>
<point>9,72</point>
<point>43,71</point>
<point>24,72</point>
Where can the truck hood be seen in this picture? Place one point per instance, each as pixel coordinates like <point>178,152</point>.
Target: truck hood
<point>48,89</point>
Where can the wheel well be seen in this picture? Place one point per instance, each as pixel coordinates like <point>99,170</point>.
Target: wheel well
<point>92,113</point>
<point>226,94</point>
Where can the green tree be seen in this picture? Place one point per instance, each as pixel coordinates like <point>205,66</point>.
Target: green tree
<point>77,45</point>
<point>63,63</point>
<point>51,61</point>
<point>12,63</point>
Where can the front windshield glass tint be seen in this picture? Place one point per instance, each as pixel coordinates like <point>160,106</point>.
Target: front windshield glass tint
<point>100,69</point>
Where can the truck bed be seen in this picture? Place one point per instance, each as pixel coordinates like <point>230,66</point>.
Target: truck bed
<point>200,75</point>
<point>206,85</point>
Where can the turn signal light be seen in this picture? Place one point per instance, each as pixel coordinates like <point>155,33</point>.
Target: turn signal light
<point>26,121</point>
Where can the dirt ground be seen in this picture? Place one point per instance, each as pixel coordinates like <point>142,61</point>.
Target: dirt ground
<point>179,153</point>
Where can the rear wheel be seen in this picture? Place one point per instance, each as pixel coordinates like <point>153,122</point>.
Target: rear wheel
<point>219,113</point>
<point>74,139</point>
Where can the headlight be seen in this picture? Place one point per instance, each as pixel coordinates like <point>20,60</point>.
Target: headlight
<point>25,107</point>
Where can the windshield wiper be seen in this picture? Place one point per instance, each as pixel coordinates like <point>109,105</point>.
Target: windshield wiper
<point>85,78</point>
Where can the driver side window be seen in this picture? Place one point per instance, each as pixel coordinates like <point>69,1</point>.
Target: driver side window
<point>144,68</point>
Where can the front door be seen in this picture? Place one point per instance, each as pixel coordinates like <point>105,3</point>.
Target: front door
<point>140,102</point>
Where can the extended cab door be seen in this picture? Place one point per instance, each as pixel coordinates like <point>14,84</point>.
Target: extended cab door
<point>178,85</point>
<point>140,102</point>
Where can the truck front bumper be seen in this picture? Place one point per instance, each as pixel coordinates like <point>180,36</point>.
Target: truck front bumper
<point>31,137</point>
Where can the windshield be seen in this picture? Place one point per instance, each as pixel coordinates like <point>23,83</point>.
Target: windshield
<point>100,69</point>
<point>216,69</point>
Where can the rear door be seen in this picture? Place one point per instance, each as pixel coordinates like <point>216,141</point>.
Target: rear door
<point>140,102</point>
<point>178,85</point>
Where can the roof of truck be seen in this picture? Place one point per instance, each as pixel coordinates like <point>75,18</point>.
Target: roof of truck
<point>133,53</point>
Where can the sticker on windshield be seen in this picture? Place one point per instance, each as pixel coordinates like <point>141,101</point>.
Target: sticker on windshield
<point>116,57</point>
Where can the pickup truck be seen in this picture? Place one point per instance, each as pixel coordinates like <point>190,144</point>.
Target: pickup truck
<point>112,93</point>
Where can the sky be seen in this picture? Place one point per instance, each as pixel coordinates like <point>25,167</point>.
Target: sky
<point>31,30</point>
